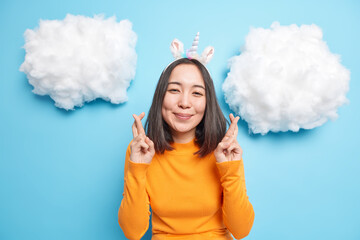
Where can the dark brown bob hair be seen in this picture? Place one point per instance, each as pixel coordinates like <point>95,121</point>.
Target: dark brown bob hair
<point>210,130</point>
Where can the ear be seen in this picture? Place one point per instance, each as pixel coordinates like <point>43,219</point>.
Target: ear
<point>177,48</point>
<point>207,54</point>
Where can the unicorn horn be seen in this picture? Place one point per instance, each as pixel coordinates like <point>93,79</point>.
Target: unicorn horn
<point>193,50</point>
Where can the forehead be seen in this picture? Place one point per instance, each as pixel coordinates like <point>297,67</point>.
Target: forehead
<point>187,74</point>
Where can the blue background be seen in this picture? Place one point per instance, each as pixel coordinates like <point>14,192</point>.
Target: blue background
<point>61,173</point>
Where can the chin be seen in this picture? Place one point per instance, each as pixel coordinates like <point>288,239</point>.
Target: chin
<point>183,130</point>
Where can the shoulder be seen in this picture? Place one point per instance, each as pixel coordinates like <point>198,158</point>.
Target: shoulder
<point>211,155</point>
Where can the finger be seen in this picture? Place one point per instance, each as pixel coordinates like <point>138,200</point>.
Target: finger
<point>223,145</point>
<point>235,121</point>
<point>144,146</point>
<point>134,130</point>
<point>138,123</point>
<point>231,117</point>
<point>136,142</point>
<point>227,146</point>
<point>151,144</point>
<point>140,142</point>
<point>148,141</point>
<point>235,150</point>
<point>141,116</point>
<point>236,128</point>
<point>233,125</point>
<point>232,147</point>
<point>138,139</point>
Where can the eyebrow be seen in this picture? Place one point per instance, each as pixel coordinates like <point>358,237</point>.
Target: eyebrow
<point>177,83</point>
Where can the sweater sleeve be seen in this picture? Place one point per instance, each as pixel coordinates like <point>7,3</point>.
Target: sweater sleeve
<point>134,213</point>
<point>238,213</point>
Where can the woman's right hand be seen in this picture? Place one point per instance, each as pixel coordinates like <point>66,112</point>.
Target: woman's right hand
<point>142,148</point>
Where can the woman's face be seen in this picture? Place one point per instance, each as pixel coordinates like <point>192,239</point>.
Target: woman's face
<point>184,102</point>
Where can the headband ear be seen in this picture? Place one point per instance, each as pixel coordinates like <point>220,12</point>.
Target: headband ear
<point>177,48</point>
<point>207,54</point>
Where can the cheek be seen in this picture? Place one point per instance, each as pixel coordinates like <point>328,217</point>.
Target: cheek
<point>167,103</point>
<point>166,107</point>
<point>163,111</point>
<point>200,106</point>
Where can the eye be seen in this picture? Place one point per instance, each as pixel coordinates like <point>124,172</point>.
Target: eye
<point>198,94</point>
<point>173,90</point>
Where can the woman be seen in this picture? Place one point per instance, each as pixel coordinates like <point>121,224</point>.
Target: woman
<point>187,167</point>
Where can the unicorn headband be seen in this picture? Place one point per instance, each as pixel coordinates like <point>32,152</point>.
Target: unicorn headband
<point>177,50</point>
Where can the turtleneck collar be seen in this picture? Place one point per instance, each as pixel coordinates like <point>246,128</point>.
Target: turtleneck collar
<point>189,147</point>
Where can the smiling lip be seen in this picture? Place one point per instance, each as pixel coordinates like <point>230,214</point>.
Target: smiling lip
<point>183,116</point>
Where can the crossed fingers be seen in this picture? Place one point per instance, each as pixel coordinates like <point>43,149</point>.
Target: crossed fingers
<point>142,148</point>
<point>139,135</point>
<point>137,128</point>
<point>233,129</point>
<point>229,149</point>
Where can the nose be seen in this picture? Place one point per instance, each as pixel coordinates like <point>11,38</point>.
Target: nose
<point>184,101</point>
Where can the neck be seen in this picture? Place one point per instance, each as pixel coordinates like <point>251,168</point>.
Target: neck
<point>183,137</point>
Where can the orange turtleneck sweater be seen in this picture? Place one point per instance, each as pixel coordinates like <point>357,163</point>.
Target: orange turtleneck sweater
<point>190,197</point>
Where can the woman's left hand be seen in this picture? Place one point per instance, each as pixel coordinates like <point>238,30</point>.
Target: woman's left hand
<point>229,149</point>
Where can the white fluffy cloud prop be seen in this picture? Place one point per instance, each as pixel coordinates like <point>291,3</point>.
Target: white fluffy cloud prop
<point>285,79</point>
<point>79,59</point>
